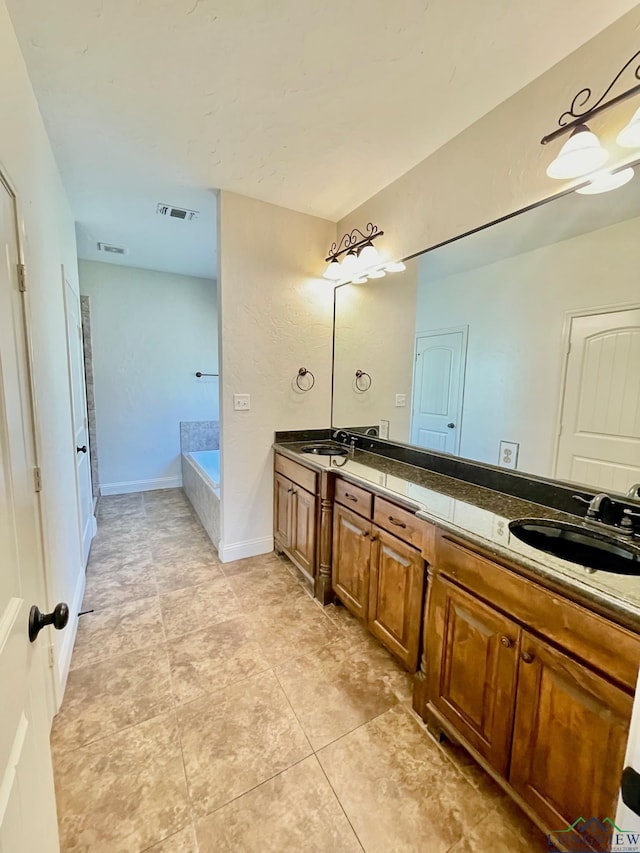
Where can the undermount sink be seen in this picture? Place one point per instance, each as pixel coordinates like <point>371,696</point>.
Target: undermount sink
<point>597,550</point>
<point>325,450</point>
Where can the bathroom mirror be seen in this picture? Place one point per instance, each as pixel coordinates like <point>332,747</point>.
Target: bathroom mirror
<point>517,345</point>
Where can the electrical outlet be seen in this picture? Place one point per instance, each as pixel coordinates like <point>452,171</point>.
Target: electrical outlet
<point>241,402</point>
<point>401,401</point>
<point>508,456</point>
<point>383,429</point>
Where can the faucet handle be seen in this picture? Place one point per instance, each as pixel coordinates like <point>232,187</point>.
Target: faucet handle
<point>630,513</point>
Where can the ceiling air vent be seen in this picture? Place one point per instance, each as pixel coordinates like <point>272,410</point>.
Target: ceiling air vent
<point>112,250</point>
<point>176,212</point>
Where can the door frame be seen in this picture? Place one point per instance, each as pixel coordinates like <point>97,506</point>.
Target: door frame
<point>53,695</point>
<point>567,327</point>
<point>463,375</point>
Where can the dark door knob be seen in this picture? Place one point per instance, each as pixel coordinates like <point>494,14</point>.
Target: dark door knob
<point>451,425</point>
<point>82,449</point>
<point>38,620</point>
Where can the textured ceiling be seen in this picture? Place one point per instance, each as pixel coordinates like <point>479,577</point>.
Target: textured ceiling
<point>311,105</point>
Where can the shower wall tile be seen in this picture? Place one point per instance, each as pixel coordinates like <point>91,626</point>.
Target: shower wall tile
<point>199,435</point>
<point>85,313</point>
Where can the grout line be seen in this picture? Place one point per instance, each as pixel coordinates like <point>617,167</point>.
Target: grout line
<point>339,801</point>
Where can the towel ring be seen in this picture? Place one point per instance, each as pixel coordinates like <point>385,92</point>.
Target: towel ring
<point>304,372</point>
<point>362,375</point>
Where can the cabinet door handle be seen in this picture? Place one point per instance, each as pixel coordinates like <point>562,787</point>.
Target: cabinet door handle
<point>396,521</point>
<point>364,533</point>
<point>527,657</point>
<point>374,537</point>
<point>507,642</point>
<point>289,490</point>
<point>350,497</point>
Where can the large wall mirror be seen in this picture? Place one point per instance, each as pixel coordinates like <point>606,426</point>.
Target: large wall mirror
<point>518,345</point>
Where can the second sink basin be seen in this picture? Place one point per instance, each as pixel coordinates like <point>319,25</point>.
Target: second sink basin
<point>594,549</point>
<point>325,450</point>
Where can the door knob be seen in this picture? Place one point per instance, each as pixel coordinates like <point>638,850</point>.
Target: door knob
<point>82,449</point>
<point>451,425</point>
<point>37,620</point>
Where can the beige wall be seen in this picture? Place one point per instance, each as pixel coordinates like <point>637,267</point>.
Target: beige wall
<point>375,332</point>
<point>276,315</point>
<point>48,239</point>
<point>497,165</point>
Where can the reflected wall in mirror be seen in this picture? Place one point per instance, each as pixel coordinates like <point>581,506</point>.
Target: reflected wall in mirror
<point>518,345</point>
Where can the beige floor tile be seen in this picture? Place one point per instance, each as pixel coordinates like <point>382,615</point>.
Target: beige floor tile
<point>208,660</point>
<point>113,631</point>
<point>182,842</point>
<point>156,497</point>
<point>131,580</point>
<point>119,506</point>
<point>184,526</point>
<point>187,610</point>
<point>295,811</point>
<point>339,687</point>
<point>264,585</point>
<point>112,557</point>
<point>103,698</point>
<point>123,793</point>
<point>503,831</point>
<point>166,549</point>
<point>238,738</point>
<point>292,627</point>
<point>172,573</point>
<point>399,791</point>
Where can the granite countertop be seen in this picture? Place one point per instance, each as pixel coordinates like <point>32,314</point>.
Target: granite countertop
<point>481,517</point>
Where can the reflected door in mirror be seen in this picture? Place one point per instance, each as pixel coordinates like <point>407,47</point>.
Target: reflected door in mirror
<point>438,389</point>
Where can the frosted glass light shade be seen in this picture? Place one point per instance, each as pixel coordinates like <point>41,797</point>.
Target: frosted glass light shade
<point>359,279</point>
<point>581,154</point>
<point>349,264</point>
<point>369,256</point>
<point>334,271</point>
<point>607,181</point>
<point>379,273</point>
<point>629,136</point>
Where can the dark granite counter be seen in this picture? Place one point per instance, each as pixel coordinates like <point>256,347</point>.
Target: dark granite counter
<point>481,517</point>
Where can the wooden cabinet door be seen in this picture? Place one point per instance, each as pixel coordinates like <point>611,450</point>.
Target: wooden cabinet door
<point>351,557</point>
<point>303,530</point>
<point>473,662</point>
<point>569,737</point>
<point>395,596</point>
<point>282,506</point>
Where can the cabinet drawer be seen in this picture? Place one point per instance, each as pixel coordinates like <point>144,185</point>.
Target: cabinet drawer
<point>304,477</point>
<point>357,499</point>
<point>401,522</point>
<point>608,647</point>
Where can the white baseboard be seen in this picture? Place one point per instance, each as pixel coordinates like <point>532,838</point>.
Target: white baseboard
<point>250,548</point>
<point>140,486</point>
<point>68,639</point>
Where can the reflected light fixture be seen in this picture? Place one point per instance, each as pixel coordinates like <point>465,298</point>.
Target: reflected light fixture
<point>629,136</point>
<point>360,258</point>
<point>582,154</point>
<point>603,182</point>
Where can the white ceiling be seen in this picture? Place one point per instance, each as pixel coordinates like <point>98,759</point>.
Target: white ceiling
<point>311,105</point>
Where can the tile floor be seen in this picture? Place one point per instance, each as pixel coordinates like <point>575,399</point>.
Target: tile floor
<point>218,708</point>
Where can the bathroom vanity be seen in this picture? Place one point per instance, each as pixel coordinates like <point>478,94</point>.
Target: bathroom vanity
<point>526,660</point>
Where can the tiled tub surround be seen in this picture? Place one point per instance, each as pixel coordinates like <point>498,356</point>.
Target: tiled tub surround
<point>219,708</point>
<point>481,517</point>
<point>202,487</point>
<point>199,435</point>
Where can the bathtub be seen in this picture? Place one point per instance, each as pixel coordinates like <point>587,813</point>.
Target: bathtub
<point>201,483</point>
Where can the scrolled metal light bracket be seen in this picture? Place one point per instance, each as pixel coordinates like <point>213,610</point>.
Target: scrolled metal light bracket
<point>579,112</point>
<point>353,240</point>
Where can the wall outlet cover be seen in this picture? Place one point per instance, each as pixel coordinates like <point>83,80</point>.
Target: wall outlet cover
<point>383,428</point>
<point>241,402</point>
<point>401,400</point>
<point>508,456</point>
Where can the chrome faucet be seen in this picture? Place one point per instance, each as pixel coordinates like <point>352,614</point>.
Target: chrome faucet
<point>595,505</point>
<point>634,491</point>
<point>340,435</point>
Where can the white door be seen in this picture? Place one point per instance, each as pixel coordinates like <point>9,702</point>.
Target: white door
<point>77,381</point>
<point>599,442</point>
<point>27,804</point>
<point>438,389</point>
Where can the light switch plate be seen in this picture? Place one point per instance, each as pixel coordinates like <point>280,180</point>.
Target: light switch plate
<point>401,400</point>
<point>241,402</point>
<point>383,428</point>
<point>508,456</point>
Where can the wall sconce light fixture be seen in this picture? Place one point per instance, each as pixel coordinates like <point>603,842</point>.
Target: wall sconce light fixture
<point>582,154</point>
<point>360,258</point>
